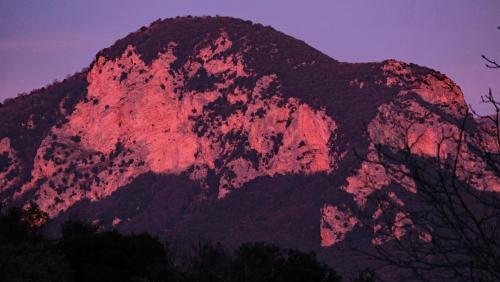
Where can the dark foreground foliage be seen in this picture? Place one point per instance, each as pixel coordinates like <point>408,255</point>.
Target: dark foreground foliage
<point>86,253</point>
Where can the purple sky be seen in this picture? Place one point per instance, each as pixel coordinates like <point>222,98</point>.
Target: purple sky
<point>45,40</point>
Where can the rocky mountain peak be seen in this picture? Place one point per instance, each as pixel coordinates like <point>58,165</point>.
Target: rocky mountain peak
<point>213,119</point>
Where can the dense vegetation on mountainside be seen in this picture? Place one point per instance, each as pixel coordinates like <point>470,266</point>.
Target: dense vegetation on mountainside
<point>86,253</point>
<point>27,119</point>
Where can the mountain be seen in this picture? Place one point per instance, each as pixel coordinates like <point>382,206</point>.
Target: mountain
<point>217,128</point>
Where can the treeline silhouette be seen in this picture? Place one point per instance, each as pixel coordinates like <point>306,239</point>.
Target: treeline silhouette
<point>84,252</point>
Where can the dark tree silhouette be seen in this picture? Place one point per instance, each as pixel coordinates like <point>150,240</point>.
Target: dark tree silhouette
<point>110,256</point>
<point>254,262</point>
<point>208,262</point>
<point>85,252</point>
<point>25,255</point>
<point>267,262</point>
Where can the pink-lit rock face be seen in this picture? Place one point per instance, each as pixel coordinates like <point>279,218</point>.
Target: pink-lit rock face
<point>335,224</point>
<point>9,164</point>
<point>435,89</point>
<point>397,73</point>
<point>370,176</point>
<point>138,118</point>
<point>401,223</point>
<point>424,133</point>
<point>406,124</point>
<point>116,221</point>
<point>386,228</point>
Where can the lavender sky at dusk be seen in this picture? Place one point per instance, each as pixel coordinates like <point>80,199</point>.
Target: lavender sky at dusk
<point>45,40</point>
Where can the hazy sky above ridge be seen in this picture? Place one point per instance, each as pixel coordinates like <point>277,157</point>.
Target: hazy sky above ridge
<point>45,40</point>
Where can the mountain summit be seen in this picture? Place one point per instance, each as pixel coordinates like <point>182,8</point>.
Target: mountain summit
<point>224,129</point>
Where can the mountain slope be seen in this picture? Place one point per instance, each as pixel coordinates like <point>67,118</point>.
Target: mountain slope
<point>222,128</point>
